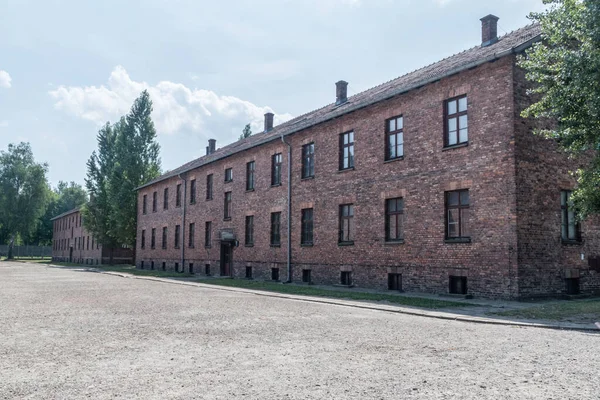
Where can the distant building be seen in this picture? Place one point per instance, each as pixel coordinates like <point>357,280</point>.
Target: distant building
<point>431,182</point>
<point>71,242</point>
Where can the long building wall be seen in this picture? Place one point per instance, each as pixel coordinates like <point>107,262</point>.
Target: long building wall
<point>72,243</point>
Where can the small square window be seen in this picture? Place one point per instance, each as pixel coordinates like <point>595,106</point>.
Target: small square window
<point>572,286</point>
<point>346,278</point>
<point>191,268</point>
<point>458,284</point>
<point>306,276</point>
<point>275,274</point>
<point>395,282</point>
<point>164,266</point>
<point>248,272</point>
<point>207,269</point>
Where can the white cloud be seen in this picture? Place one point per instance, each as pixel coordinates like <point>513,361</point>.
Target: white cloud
<point>176,107</point>
<point>5,79</point>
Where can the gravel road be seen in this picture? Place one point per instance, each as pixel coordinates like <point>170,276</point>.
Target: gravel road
<point>69,334</point>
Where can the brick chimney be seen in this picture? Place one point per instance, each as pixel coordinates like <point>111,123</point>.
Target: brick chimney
<point>341,92</point>
<point>489,30</point>
<point>268,122</point>
<point>212,144</point>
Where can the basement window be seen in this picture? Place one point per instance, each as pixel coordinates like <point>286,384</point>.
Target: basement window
<point>395,282</point>
<point>458,285</point>
<point>306,278</point>
<point>572,285</point>
<point>141,265</point>
<point>177,267</point>
<point>207,269</point>
<point>346,278</point>
<point>248,272</point>
<point>164,266</point>
<point>275,274</point>
<point>191,268</point>
<point>152,265</point>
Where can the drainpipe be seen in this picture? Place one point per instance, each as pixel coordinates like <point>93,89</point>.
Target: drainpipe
<point>289,211</point>
<point>184,202</point>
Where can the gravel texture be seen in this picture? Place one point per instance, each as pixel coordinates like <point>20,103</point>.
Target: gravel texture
<point>68,334</point>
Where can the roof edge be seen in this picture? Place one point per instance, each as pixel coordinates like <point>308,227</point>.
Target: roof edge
<point>67,213</point>
<point>496,56</point>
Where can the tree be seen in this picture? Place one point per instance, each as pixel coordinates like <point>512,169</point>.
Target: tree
<point>23,192</point>
<point>564,69</point>
<point>66,196</point>
<point>127,157</point>
<point>247,132</point>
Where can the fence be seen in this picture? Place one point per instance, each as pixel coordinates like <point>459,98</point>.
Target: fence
<point>27,251</point>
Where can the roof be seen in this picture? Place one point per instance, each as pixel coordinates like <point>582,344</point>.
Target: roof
<point>511,43</point>
<point>66,213</point>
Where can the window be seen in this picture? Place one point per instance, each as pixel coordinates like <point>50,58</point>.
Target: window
<point>570,228</point>
<point>177,267</point>
<point>308,160</point>
<point>572,286</point>
<point>346,278</point>
<point>191,235</point>
<point>143,245</point>
<point>154,202</point>
<point>166,199</point>
<point>193,191</point>
<point>306,276</point>
<point>248,272</point>
<point>276,169</point>
<point>164,238</point>
<point>141,264</point>
<point>178,196</point>
<point>395,282</point>
<point>88,243</point>
<point>250,175</point>
<point>209,187</point>
<point>274,274</point>
<point>228,175</point>
<point>177,233</point>
<point>347,150</point>
<point>346,224</point>
<point>207,269</point>
<point>249,235</point>
<point>457,125</point>
<point>152,265</point>
<point>144,205</point>
<point>207,233</point>
<point>276,229</point>
<point>458,285</point>
<point>164,266</point>
<point>306,234</point>
<point>227,206</point>
<point>457,215</point>
<point>191,269</point>
<point>394,221</point>
<point>394,147</point>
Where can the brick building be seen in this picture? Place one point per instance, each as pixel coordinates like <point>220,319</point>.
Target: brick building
<point>71,242</point>
<point>431,182</point>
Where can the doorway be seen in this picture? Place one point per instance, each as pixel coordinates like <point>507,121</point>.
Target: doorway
<point>226,258</point>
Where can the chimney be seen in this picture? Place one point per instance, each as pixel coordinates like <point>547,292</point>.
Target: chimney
<point>341,92</point>
<point>268,122</point>
<point>489,30</point>
<point>212,143</point>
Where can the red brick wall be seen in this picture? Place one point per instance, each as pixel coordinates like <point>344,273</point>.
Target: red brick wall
<point>486,167</point>
<point>542,172</point>
<point>68,232</point>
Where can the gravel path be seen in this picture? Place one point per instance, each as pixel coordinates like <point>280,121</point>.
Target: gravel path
<point>68,335</point>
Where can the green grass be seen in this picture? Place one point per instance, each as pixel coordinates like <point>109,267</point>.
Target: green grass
<point>337,294</point>
<point>568,311</point>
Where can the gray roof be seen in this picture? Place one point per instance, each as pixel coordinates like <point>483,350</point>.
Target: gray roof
<point>66,213</point>
<point>511,43</point>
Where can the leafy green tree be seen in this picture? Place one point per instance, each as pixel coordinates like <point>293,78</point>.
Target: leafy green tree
<point>23,192</point>
<point>564,68</point>
<point>66,196</point>
<point>247,132</point>
<point>127,157</point>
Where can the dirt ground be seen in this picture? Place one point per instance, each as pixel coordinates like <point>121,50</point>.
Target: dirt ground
<point>68,335</point>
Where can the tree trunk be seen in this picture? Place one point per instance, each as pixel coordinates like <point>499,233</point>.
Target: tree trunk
<point>10,249</point>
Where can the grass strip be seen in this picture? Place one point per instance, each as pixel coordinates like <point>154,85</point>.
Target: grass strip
<point>574,310</point>
<point>337,294</point>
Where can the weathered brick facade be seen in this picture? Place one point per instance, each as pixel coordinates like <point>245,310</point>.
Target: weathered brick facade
<point>513,178</point>
<point>71,242</point>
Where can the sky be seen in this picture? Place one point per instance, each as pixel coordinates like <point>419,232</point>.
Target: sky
<point>69,66</point>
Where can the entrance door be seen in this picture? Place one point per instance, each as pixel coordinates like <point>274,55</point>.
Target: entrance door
<point>226,258</point>
<point>70,254</point>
